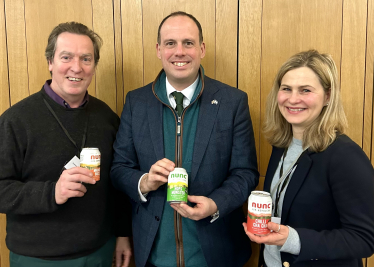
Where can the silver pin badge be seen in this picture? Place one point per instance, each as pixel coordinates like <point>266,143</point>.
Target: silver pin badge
<point>214,102</point>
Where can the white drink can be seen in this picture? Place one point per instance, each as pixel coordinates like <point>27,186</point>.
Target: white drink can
<point>90,159</point>
<point>259,212</point>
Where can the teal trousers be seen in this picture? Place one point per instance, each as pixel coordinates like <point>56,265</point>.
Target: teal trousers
<point>103,257</point>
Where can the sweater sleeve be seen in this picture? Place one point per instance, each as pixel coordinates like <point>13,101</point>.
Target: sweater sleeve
<point>19,194</point>
<point>292,244</point>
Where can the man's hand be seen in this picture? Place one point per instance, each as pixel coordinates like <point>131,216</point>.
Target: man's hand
<point>157,175</point>
<point>123,252</point>
<point>70,184</point>
<point>204,207</point>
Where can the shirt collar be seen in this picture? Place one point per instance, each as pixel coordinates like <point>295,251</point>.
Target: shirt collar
<point>187,92</point>
<point>52,94</point>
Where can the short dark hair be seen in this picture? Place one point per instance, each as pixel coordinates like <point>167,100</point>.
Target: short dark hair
<point>180,13</point>
<point>72,27</point>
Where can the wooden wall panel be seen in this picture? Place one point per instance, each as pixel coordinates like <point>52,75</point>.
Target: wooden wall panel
<point>4,252</point>
<point>118,54</point>
<point>249,61</point>
<point>249,76</point>
<point>368,138</point>
<point>132,44</point>
<point>103,24</point>
<point>4,83</point>
<point>289,27</point>
<point>352,74</point>
<point>38,29</point>
<point>226,41</point>
<point>17,54</point>
<point>369,262</point>
<point>4,104</point>
<point>368,114</point>
<point>204,11</point>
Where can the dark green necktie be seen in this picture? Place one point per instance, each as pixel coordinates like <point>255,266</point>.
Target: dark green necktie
<point>178,96</point>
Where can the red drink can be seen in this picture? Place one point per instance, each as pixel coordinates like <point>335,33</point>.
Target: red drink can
<point>259,212</point>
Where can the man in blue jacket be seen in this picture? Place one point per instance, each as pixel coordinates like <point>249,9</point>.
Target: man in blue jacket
<point>185,119</point>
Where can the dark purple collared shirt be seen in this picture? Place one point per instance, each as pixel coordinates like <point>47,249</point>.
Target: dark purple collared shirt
<point>58,99</point>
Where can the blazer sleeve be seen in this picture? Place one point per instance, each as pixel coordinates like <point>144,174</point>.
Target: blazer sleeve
<point>350,177</point>
<point>125,172</point>
<point>242,175</point>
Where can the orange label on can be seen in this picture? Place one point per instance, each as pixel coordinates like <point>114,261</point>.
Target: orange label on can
<point>90,159</point>
<point>258,223</point>
<point>95,169</point>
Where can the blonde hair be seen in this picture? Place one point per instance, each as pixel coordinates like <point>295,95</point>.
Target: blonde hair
<point>330,122</point>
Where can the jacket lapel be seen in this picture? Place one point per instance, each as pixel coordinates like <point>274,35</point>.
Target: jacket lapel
<point>155,125</point>
<point>207,117</point>
<point>272,167</point>
<point>296,182</point>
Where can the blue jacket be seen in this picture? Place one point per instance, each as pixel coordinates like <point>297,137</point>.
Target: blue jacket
<point>330,202</point>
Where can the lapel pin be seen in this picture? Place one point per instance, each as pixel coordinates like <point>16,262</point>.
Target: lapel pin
<point>214,102</point>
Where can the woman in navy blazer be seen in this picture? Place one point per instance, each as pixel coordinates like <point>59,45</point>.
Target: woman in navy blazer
<point>321,182</point>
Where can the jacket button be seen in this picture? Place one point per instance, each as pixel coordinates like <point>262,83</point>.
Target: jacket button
<point>157,218</point>
<point>286,264</point>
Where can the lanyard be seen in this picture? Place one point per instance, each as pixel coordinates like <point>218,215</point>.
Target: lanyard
<point>285,178</point>
<point>67,133</point>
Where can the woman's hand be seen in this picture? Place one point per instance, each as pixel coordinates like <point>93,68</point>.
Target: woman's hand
<point>277,237</point>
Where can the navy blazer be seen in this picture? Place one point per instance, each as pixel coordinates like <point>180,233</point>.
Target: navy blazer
<point>330,203</point>
<point>224,168</point>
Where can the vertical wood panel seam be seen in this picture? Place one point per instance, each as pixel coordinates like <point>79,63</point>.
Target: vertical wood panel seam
<point>371,122</point>
<point>143,46</point>
<point>92,23</point>
<point>215,38</point>
<point>237,45</point>
<point>341,50</point>
<point>27,57</point>
<point>372,87</point>
<point>7,56</point>
<point>365,86</point>
<point>363,104</point>
<point>259,128</point>
<point>115,50</point>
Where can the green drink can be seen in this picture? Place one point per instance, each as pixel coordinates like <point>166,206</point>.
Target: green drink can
<point>177,186</point>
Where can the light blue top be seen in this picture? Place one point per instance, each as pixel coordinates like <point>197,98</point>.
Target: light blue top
<point>292,245</point>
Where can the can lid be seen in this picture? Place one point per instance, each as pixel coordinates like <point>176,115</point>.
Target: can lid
<point>179,169</point>
<point>260,193</point>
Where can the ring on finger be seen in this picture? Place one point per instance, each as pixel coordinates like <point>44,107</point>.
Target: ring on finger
<point>279,227</point>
